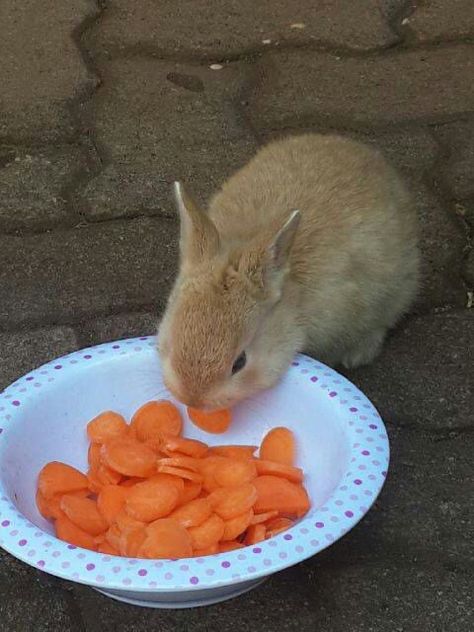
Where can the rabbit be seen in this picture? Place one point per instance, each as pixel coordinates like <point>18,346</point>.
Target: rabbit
<point>312,246</point>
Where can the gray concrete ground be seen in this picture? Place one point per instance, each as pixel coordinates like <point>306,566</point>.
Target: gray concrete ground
<point>102,105</point>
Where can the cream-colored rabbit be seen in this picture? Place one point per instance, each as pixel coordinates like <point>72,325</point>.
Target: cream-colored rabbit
<point>311,246</point>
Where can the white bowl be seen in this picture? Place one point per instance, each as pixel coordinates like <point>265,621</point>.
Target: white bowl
<point>342,447</point>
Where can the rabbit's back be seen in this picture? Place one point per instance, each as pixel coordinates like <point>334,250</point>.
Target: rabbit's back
<point>355,256</point>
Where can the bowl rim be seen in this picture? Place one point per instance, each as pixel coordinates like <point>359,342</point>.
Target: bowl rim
<point>308,537</point>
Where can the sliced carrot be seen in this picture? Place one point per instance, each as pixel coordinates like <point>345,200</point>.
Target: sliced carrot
<point>236,526</point>
<point>112,537</point>
<point>239,452</point>
<point>193,513</point>
<point>186,447</point>
<point>93,456</point>
<point>231,545</point>
<point>276,493</point>
<point>264,517</point>
<point>178,471</point>
<point>125,522</point>
<point>155,419</point>
<point>234,501</point>
<point>111,501</point>
<point>107,476</point>
<point>130,482</point>
<point>51,507</point>
<point>106,426</point>
<point>190,492</point>
<point>255,533</point>
<point>279,445</point>
<point>169,478</point>
<point>293,474</point>
<point>59,478</point>
<point>70,532</point>
<point>207,533</point>
<point>166,539</point>
<point>209,550</point>
<point>129,457</point>
<point>107,549</point>
<point>151,500</point>
<point>131,540</point>
<point>83,513</point>
<point>276,526</point>
<point>207,467</point>
<point>215,422</point>
<point>186,462</point>
<point>230,473</point>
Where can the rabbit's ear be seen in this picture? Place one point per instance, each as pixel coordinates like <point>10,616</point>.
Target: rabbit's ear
<point>199,239</point>
<point>265,262</point>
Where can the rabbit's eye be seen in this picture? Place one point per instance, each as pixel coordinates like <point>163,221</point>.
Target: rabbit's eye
<point>239,363</point>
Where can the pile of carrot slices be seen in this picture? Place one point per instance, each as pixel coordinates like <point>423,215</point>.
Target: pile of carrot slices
<point>152,493</point>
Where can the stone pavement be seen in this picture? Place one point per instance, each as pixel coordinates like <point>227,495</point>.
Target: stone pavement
<point>102,105</point>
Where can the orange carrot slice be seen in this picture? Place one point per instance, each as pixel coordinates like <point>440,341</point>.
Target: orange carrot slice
<point>209,550</point>
<point>255,533</point>
<point>112,537</point>
<point>84,514</point>
<point>129,457</point>
<point>169,478</point>
<point>166,539</point>
<point>207,533</point>
<point>277,525</point>
<point>186,447</point>
<point>107,549</point>
<point>230,473</point>
<point>93,481</point>
<point>131,540</point>
<point>207,467</point>
<point>215,422</point>
<point>236,526</point>
<point>59,478</point>
<point>106,427</point>
<point>193,513</point>
<point>111,501</point>
<point>93,456</point>
<point>130,482</point>
<point>178,471</point>
<point>151,500</point>
<point>186,462</point>
<point>70,532</point>
<point>239,452</point>
<point>155,419</point>
<point>233,501</point>
<point>50,508</point>
<point>190,492</point>
<point>264,517</point>
<point>231,545</point>
<point>279,445</point>
<point>107,476</point>
<point>293,474</point>
<point>276,493</point>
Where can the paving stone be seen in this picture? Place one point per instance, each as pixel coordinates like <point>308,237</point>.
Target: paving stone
<point>424,511</point>
<point>21,352</point>
<point>31,602</point>
<point>74,274</point>
<point>440,20</point>
<point>42,70</point>
<point>425,375</point>
<point>34,185</point>
<point>159,122</point>
<point>224,28</point>
<point>458,169</point>
<point>349,91</point>
<point>119,326</point>
<point>324,595</point>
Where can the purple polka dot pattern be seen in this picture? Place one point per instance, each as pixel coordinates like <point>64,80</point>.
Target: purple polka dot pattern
<point>358,487</point>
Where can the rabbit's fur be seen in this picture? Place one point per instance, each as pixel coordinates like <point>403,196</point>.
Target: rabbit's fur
<point>258,277</point>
